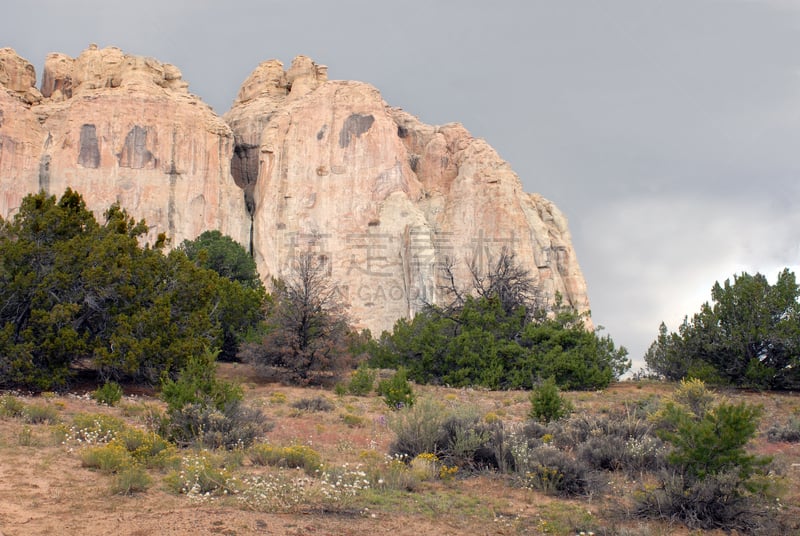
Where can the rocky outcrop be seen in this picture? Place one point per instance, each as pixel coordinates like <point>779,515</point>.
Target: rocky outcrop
<point>387,201</point>
<point>123,128</point>
<point>299,164</point>
<point>18,76</point>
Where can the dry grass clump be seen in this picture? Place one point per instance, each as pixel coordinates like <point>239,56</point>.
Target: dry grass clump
<point>295,456</point>
<point>317,403</point>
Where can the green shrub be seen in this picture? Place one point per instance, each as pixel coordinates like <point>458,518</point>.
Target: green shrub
<point>788,432</point>
<point>40,413</point>
<point>295,456</point>
<point>362,381</point>
<point>552,471</point>
<point>496,339</point>
<point>109,458</point>
<point>318,403</point>
<point>547,403</point>
<point>197,384</point>
<point>396,391</point>
<point>109,394</point>
<point>130,480</point>
<point>207,412</point>
<point>235,426</point>
<point>11,406</point>
<point>711,480</point>
<point>715,442</point>
<point>353,421</point>
<point>417,428</point>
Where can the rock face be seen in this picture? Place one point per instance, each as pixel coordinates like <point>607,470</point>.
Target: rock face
<point>387,201</point>
<point>120,128</point>
<point>299,164</point>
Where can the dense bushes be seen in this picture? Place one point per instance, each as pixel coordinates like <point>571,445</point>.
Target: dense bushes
<point>205,411</point>
<point>710,481</point>
<point>241,306</point>
<point>482,344</point>
<point>233,426</point>
<point>691,450</point>
<point>74,290</point>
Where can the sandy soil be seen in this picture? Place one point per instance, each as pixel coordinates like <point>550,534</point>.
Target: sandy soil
<point>44,489</point>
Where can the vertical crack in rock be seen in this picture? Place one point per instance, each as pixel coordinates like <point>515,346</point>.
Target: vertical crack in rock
<point>355,125</point>
<point>89,155</point>
<point>251,245</point>
<point>1,118</point>
<point>134,152</point>
<point>173,182</point>
<point>44,173</point>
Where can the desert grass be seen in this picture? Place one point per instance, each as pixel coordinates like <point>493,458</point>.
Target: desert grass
<point>345,466</point>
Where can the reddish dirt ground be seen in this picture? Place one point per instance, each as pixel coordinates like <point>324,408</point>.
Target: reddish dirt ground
<point>45,490</point>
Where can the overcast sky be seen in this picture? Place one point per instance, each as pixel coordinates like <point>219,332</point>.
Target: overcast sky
<point>668,132</point>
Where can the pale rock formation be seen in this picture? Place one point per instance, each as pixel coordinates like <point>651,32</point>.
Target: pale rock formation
<point>21,138</point>
<point>57,77</point>
<point>299,164</point>
<point>387,201</point>
<point>18,76</point>
<point>123,128</point>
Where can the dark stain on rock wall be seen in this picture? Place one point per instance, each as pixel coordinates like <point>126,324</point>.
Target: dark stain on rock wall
<point>135,153</point>
<point>355,125</point>
<point>44,173</point>
<point>89,155</point>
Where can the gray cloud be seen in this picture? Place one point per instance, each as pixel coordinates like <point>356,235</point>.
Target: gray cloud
<point>668,132</point>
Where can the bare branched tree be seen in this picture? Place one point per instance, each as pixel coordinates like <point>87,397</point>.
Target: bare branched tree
<point>449,289</point>
<point>308,325</point>
<point>507,281</point>
<point>504,279</point>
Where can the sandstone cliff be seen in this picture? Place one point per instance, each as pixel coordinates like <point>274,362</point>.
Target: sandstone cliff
<point>328,167</point>
<point>298,164</point>
<point>118,128</point>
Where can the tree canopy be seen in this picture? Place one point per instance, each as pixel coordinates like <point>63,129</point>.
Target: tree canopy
<point>482,345</point>
<point>242,292</point>
<point>225,256</point>
<point>74,291</point>
<point>748,336</point>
